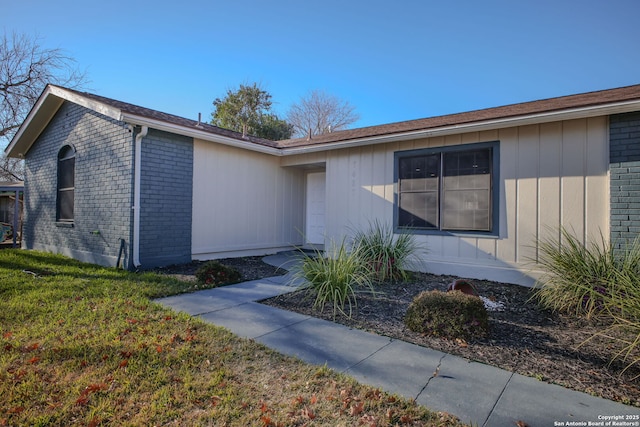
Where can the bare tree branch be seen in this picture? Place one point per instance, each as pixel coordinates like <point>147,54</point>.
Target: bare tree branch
<point>25,69</point>
<point>318,113</point>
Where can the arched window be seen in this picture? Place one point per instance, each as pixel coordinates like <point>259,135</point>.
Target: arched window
<point>66,183</point>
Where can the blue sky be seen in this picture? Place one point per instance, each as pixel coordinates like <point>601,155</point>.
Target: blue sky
<point>393,61</point>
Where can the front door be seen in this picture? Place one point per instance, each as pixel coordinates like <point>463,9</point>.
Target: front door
<point>314,230</point>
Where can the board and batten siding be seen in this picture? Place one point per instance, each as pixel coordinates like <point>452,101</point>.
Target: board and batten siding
<point>244,203</point>
<point>551,175</point>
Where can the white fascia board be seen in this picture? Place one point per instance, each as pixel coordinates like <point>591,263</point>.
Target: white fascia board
<point>553,116</point>
<point>38,117</point>
<point>194,133</point>
<point>83,101</point>
<point>43,111</point>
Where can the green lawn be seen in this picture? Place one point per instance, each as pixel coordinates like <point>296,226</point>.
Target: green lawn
<point>84,345</point>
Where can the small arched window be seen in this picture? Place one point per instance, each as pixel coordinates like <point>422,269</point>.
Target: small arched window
<point>66,183</point>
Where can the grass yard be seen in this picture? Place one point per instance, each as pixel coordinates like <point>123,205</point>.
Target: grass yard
<point>84,345</point>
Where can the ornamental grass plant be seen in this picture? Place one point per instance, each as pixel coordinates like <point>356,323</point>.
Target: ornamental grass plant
<point>389,256</point>
<point>578,279</point>
<point>336,277</point>
<point>595,281</point>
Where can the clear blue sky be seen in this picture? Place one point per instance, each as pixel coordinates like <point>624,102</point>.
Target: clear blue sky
<point>393,61</point>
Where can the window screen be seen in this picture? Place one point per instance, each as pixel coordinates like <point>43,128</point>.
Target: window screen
<point>448,190</point>
<point>66,184</point>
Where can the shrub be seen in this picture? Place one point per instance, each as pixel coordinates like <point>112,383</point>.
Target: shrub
<point>212,274</point>
<point>387,255</point>
<point>448,314</point>
<point>583,280</point>
<point>595,281</point>
<point>335,277</point>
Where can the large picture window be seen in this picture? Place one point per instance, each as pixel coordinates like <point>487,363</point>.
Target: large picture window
<point>66,184</point>
<point>450,189</point>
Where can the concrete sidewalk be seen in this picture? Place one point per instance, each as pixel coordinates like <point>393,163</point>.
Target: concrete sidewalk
<point>476,393</point>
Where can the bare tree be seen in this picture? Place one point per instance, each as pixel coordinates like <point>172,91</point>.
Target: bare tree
<point>318,113</point>
<point>25,69</point>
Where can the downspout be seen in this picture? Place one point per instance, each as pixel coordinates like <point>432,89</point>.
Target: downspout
<point>136,195</point>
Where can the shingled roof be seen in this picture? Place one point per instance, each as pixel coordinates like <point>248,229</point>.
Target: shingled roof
<point>590,99</point>
<point>602,102</point>
<point>136,110</point>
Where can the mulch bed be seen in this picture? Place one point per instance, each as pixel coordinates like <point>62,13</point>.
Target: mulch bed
<point>523,338</point>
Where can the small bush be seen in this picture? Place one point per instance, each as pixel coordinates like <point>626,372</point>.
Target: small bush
<point>212,274</point>
<point>335,277</point>
<point>448,314</point>
<point>387,255</point>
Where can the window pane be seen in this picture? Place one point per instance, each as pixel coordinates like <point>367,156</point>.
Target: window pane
<point>66,183</point>
<point>419,173</point>
<point>466,210</point>
<point>418,210</point>
<point>66,172</point>
<point>447,190</point>
<point>65,205</point>
<point>466,193</point>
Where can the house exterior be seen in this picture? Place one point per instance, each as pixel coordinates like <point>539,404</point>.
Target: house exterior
<point>120,185</point>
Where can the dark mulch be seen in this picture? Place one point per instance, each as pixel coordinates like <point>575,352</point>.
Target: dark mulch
<point>523,338</point>
<point>251,268</point>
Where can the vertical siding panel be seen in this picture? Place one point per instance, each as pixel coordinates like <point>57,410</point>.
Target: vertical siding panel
<point>453,139</point>
<point>488,135</point>
<point>230,187</point>
<point>468,247</point>
<point>405,145</point>
<point>366,186</point>
<point>550,183</point>
<point>450,247</point>
<point>354,190</point>
<point>597,183</point>
<point>487,249</point>
<point>527,190</point>
<point>436,142</point>
<point>433,245</point>
<point>573,179</point>
<point>506,247</point>
<point>470,137</point>
<point>338,198</point>
<point>381,184</point>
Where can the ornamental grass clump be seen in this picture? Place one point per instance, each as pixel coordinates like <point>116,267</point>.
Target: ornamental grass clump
<point>595,281</point>
<point>387,255</point>
<point>624,310</point>
<point>335,277</point>
<point>583,280</point>
<point>448,314</point>
<point>212,274</point>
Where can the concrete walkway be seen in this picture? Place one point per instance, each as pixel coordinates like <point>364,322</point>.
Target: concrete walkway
<point>476,393</point>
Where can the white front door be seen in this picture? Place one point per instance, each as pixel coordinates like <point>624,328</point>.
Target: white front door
<point>314,230</point>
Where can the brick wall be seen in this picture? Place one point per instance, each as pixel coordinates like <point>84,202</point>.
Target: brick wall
<point>103,188</point>
<point>166,199</point>
<point>624,158</point>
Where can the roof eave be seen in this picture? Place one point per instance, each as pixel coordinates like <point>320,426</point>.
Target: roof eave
<point>198,134</point>
<point>492,124</point>
<point>44,109</point>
